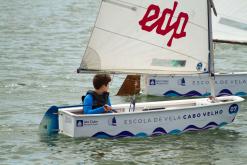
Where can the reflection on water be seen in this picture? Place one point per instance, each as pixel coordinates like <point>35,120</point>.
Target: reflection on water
<point>229,58</point>
<point>206,147</point>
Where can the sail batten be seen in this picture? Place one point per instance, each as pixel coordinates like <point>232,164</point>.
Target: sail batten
<point>154,37</point>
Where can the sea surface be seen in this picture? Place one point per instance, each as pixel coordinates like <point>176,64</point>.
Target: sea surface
<point>41,45</point>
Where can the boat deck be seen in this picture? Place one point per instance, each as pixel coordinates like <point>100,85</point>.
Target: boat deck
<point>157,106</point>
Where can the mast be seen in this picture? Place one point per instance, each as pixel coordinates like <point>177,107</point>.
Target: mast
<point>211,51</point>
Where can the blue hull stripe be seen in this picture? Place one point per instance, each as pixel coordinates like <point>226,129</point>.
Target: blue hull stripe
<point>224,92</point>
<point>159,131</point>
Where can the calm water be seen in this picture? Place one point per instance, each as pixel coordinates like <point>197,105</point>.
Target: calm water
<point>41,44</point>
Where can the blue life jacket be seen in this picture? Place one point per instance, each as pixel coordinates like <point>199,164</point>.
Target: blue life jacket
<point>98,100</point>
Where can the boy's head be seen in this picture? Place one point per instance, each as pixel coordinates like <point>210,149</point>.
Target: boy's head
<point>101,79</point>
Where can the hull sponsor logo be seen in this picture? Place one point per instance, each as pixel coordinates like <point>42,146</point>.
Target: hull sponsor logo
<point>233,109</point>
<point>162,119</point>
<point>182,82</point>
<point>221,82</point>
<point>153,82</point>
<point>112,121</point>
<point>81,123</point>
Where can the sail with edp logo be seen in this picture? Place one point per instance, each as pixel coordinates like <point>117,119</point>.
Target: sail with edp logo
<point>140,51</point>
<point>149,37</point>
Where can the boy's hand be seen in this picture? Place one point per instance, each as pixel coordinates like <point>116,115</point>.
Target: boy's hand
<point>107,108</point>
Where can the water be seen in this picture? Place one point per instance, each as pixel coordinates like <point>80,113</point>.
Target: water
<point>41,44</point>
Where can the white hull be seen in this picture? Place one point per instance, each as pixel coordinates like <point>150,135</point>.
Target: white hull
<point>169,117</point>
<point>194,85</point>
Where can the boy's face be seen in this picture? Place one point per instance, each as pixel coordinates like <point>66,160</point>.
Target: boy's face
<point>105,87</point>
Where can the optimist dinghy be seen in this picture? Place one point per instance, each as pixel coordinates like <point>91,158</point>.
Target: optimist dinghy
<point>148,119</point>
<point>148,37</point>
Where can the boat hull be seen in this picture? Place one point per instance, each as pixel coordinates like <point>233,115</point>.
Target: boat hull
<point>170,119</point>
<point>193,85</point>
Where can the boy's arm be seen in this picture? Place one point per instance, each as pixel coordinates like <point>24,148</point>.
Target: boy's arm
<point>109,101</point>
<point>88,106</point>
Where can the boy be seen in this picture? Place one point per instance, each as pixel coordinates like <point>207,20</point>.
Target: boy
<point>98,101</point>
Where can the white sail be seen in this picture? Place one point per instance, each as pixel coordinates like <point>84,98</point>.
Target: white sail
<point>231,22</point>
<point>130,37</point>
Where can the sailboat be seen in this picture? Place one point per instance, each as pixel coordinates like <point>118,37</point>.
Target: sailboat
<point>147,37</point>
<point>230,26</point>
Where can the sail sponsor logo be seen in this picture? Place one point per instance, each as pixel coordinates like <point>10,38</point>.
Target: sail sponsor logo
<point>164,22</point>
<point>199,66</point>
<point>161,119</point>
<point>81,123</point>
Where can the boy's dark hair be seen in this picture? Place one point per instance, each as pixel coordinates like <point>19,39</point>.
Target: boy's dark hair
<point>101,79</point>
